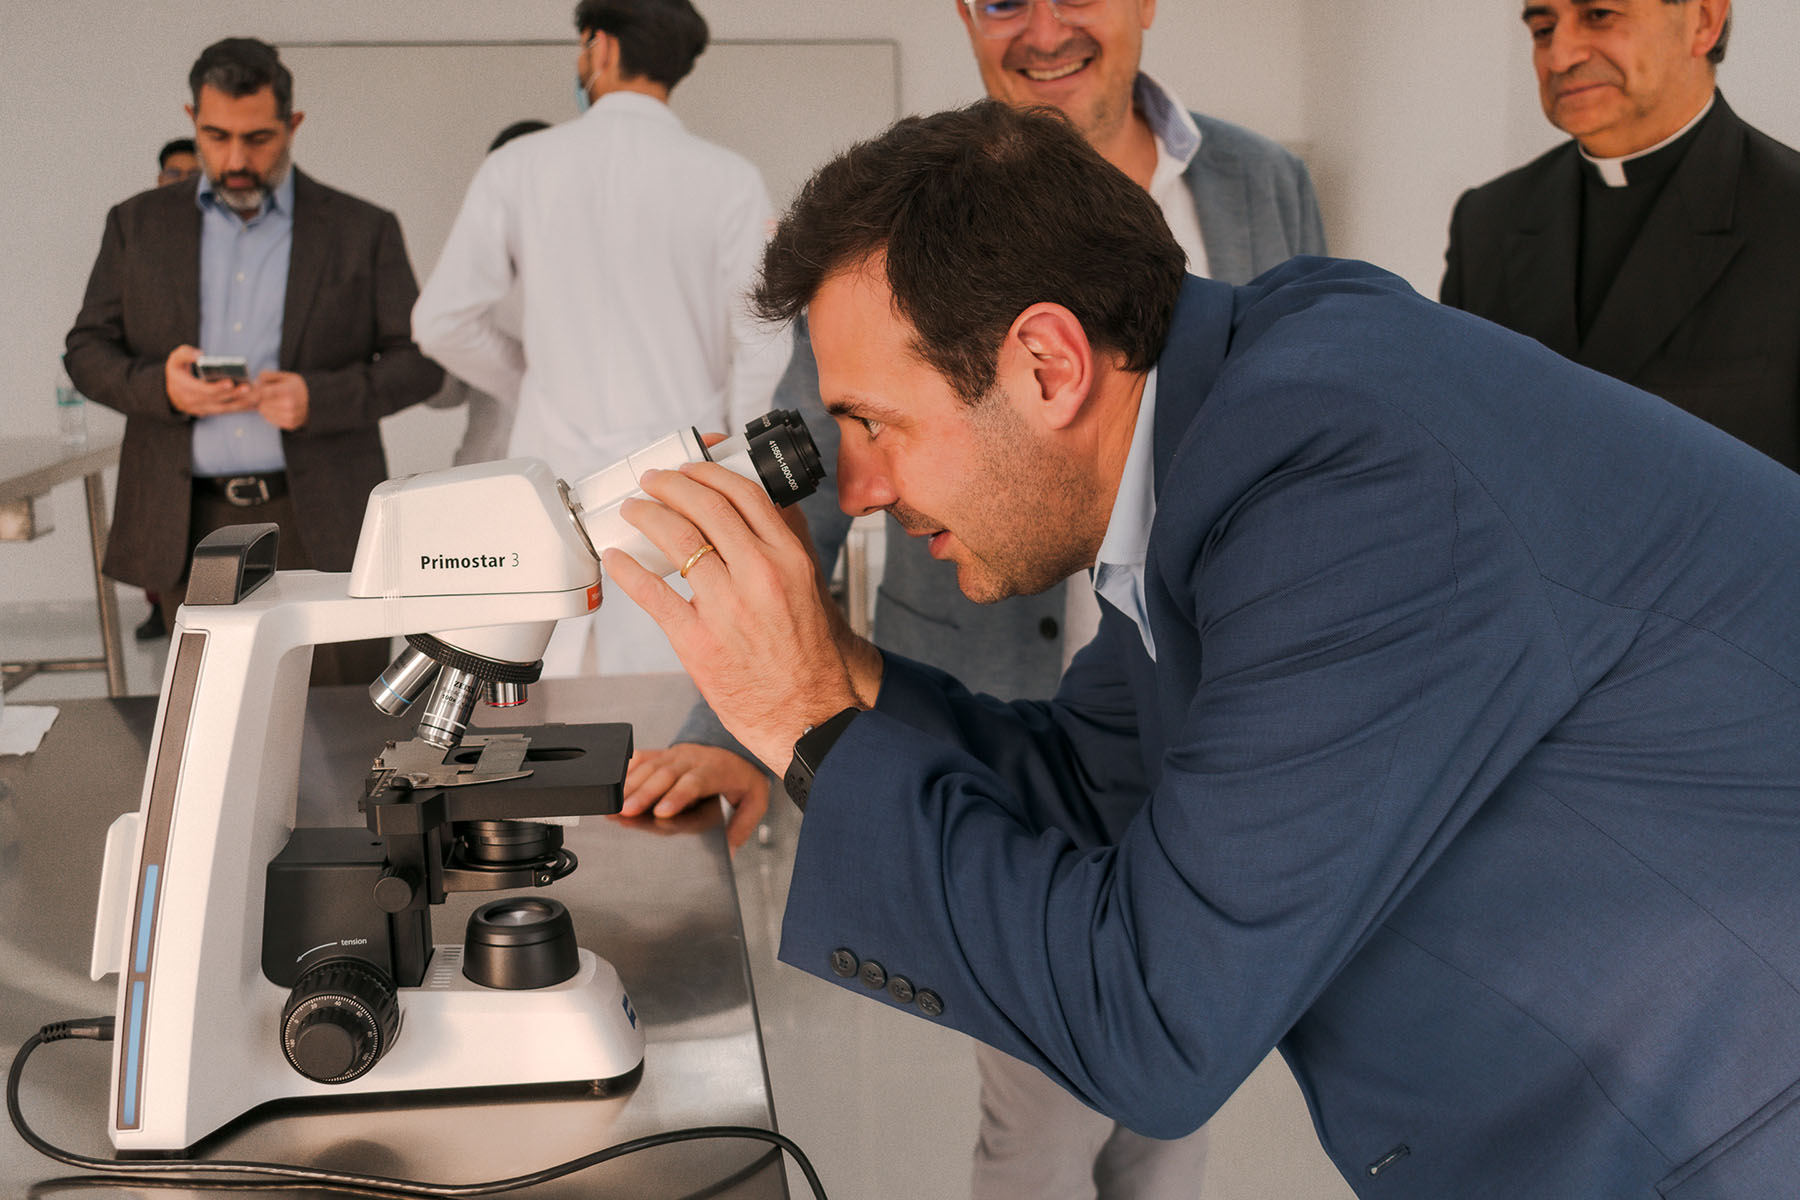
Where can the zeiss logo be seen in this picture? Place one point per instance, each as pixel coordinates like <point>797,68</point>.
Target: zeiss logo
<point>630,1014</point>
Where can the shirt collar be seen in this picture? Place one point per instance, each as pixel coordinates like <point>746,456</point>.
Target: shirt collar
<point>1118,572</point>
<point>280,200</point>
<point>1172,124</point>
<point>1612,170</point>
<point>632,102</point>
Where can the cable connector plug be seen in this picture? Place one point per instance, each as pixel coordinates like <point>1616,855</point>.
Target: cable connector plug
<point>94,1029</point>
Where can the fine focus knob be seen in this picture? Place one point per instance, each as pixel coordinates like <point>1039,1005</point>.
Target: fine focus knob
<point>341,1017</point>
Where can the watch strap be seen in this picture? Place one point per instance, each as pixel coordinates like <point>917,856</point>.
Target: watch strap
<point>809,754</point>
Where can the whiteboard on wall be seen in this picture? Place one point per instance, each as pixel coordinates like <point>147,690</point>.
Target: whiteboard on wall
<point>404,125</point>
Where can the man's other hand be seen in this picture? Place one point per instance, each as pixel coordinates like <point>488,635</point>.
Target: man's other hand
<point>282,398</point>
<point>199,397</point>
<point>673,780</point>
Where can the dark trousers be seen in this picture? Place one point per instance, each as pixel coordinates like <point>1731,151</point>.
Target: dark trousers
<point>338,662</point>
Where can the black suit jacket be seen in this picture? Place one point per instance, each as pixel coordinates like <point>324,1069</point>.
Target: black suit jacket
<point>1705,311</point>
<point>345,329</point>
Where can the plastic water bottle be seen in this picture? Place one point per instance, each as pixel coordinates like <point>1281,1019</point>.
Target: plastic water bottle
<point>71,413</point>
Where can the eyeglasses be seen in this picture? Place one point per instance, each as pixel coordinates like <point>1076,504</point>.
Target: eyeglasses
<point>1005,18</point>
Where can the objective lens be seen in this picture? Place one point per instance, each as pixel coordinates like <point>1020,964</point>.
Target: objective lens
<point>396,688</point>
<point>446,715</point>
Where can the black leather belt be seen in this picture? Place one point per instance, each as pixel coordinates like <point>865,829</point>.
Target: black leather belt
<point>244,491</point>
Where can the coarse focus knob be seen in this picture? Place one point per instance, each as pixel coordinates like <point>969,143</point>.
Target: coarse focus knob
<point>341,1017</point>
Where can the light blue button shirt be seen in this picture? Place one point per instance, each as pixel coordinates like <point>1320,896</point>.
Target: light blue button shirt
<point>243,292</point>
<point>1118,571</point>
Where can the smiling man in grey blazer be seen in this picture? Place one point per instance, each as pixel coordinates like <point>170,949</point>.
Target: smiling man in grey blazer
<point>1238,204</point>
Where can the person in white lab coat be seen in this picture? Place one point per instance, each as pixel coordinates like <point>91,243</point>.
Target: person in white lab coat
<point>630,244</point>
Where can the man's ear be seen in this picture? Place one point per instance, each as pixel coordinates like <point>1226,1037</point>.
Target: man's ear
<point>1048,346</point>
<point>1711,22</point>
<point>294,120</point>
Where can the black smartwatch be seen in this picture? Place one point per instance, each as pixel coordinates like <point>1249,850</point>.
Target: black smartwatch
<point>810,751</point>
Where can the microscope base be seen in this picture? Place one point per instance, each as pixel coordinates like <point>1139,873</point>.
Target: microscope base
<point>454,1035</point>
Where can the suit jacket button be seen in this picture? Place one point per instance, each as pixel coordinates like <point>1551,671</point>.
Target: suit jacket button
<point>873,976</point>
<point>901,989</point>
<point>930,1003</point>
<point>1048,628</point>
<point>843,963</point>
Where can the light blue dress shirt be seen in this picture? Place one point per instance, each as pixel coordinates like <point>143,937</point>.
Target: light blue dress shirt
<point>243,293</point>
<point>1118,571</point>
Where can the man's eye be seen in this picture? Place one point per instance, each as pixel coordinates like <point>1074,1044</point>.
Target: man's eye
<point>1003,8</point>
<point>870,426</point>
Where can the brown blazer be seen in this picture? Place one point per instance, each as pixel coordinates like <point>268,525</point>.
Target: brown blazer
<point>346,327</point>
<point>1706,309</point>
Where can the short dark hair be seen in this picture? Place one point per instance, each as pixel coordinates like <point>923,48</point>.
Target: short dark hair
<point>658,39</point>
<point>240,67</point>
<point>982,212</point>
<point>173,147</point>
<point>517,129</point>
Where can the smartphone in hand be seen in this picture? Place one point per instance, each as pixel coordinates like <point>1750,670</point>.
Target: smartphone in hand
<point>209,367</point>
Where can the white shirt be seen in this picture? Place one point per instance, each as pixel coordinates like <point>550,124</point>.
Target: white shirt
<point>1118,572</point>
<point>1177,141</point>
<point>633,243</point>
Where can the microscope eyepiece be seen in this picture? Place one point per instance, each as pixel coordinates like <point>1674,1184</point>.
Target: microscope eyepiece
<point>786,458</point>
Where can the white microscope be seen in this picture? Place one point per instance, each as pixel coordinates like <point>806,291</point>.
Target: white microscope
<point>258,962</point>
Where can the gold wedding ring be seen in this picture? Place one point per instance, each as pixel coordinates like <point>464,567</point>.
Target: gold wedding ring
<point>705,549</point>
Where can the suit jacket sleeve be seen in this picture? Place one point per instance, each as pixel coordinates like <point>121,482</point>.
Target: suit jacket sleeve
<point>1362,687</point>
<point>396,374</point>
<point>97,354</point>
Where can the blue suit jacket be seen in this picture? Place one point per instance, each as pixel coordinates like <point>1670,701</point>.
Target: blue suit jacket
<point>1468,774</point>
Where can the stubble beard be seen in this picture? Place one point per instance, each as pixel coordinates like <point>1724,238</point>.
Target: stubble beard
<point>1038,539</point>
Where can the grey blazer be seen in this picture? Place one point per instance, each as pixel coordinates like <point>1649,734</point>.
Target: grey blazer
<point>1257,209</point>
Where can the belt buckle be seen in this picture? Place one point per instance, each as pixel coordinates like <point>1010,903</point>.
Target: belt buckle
<point>247,490</point>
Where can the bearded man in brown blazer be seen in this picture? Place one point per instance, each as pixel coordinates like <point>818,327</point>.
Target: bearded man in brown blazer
<point>309,285</point>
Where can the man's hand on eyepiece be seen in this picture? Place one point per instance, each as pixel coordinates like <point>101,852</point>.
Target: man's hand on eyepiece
<point>759,638</point>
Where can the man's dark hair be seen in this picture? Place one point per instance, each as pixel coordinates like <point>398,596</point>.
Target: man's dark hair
<point>517,129</point>
<point>172,148</point>
<point>240,67</point>
<point>982,212</point>
<point>658,39</point>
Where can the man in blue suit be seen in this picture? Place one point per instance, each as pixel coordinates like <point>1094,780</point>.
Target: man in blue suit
<point>1238,204</point>
<point>1443,728</point>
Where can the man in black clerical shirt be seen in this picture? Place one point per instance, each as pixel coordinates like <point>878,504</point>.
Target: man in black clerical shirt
<point>1661,245</point>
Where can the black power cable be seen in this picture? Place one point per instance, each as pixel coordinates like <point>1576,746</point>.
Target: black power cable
<point>100,1029</point>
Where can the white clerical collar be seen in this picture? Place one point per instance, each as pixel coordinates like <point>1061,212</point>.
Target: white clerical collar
<point>1612,170</point>
<point>1118,572</point>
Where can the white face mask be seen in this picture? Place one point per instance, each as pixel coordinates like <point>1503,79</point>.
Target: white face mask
<point>582,103</point>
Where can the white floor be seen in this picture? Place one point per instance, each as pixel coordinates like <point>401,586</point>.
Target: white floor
<point>883,1103</point>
